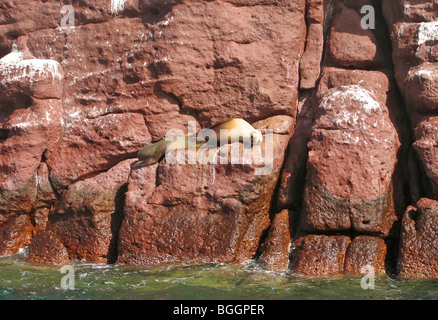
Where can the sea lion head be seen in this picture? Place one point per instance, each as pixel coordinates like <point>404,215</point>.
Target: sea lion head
<point>256,137</point>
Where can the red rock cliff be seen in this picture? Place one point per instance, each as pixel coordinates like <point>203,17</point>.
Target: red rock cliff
<point>347,88</point>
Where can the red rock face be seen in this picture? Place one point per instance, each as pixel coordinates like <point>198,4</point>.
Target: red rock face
<point>48,249</point>
<point>16,234</point>
<point>319,254</point>
<point>349,170</point>
<point>199,212</point>
<point>277,245</point>
<point>426,134</point>
<point>418,256</point>
<point>366,253</point>
<point>88,215</point>
<point>31,121</point>
<point>350,45</point>
<point>353,143</point>
<point>413,30</point>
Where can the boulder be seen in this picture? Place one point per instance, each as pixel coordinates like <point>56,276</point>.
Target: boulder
<point>319,255</point>
<point>15,235</point>
<point>87,218</point>
<point>418,256</point>
<point>351,45</point>
<point>277,245</point>
<point>366,253</point>
<point>39,78</point>
<point>46,248</point>
<point>352,155</point>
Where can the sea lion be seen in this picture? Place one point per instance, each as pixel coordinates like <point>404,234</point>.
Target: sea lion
<point>226,132</point>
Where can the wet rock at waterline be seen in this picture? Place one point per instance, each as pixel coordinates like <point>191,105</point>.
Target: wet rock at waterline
<point>15,235</point>
<point>418,242</point>
<point>277,245</point>
<point>47,248</point>
<point>88,215</point>
<point>319,254</point>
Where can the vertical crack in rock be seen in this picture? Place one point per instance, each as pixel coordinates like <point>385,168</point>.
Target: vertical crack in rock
<point>116,222</point>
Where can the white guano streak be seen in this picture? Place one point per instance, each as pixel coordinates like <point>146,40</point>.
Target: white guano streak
<point>427,31</point>
<point>117,6</point>
<point>14,68</point>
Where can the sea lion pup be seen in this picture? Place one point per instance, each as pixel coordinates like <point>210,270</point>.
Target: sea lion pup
<point>226,132</point>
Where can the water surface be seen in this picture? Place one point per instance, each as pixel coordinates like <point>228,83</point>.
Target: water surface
<point>22,280</point>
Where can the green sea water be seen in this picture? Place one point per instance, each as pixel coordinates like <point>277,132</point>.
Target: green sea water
<point>21,280</point>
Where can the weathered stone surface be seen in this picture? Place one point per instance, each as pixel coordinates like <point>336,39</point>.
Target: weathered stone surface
<point>375,81</point>
<point>293,175</point>
<point>96,144</point>
<point>414,35</point>
<point>319,255</point>
<point>144,68</point>
<point>199,212</point>
<point>30,122</point>
<point>365,254</point>
<point>418,256</point>
<point>88,215</point>
<point>350,45</point>
<point>317,14</point>
<point>426,146</point>
<point>352,156</point>
<point>15,235</point>
<point>46,248</point>
<point>411,11</point>
<point>162,61</point>
<point>39,78</point>
<point>277,245</point>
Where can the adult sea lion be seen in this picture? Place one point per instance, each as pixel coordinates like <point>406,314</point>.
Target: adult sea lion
<point>226,132</point>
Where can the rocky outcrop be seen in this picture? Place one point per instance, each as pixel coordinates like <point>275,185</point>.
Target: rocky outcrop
<point>31,121</point>
<point>414,35</point>
<point>15,235</point>
<point>348,113</point>
<point>352,155</point>
<point>418,241</point>
<point>366,253</point>
<point>47,248</point>
<point>277,245</point>
<point>203,212</point>
<point>319,255</point>
<point>89,213</point>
